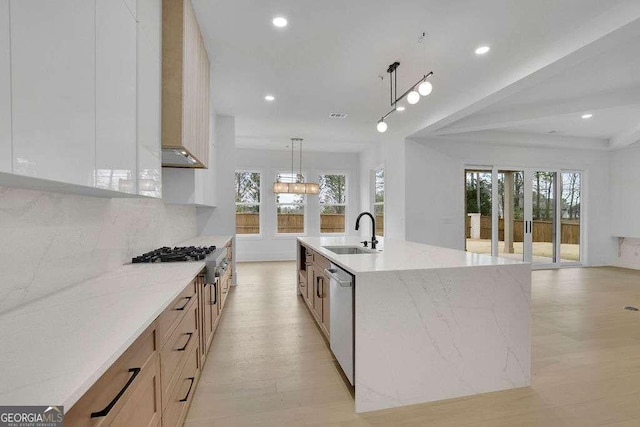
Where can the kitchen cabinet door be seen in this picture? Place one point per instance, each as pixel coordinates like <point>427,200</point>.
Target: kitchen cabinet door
<point>116,71</point>
<point>53,85</point>
<point>149,85</point>
<point>325,303</point>
<point>311,284</point>
<point>5,88</point>
<point>317,293</point>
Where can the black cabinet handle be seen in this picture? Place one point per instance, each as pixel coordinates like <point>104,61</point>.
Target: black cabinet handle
<point>185,304</point>
<point>184,347</point>
<point>318,286</point>
<point>214,285</point>
<point>110,406</point>
<point>192,379</point>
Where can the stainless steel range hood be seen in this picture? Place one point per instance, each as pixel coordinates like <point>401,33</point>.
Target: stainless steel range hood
<point>179,158</point>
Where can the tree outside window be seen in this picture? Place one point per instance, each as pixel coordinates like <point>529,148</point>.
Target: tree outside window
<point>333,203</point>
<point>247,202</point>
<point>378,201</point>
<point>290,208</point>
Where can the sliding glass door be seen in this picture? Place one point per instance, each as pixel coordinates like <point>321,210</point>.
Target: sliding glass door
<point>543,216</point>
<point>478,208</point>
<point>531,215</point>
<point>510,214</point>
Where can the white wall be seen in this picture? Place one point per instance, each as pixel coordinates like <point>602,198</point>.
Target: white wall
<point>269,246</point>
<point>625,192</point>
<point>389,154</point>
<point>51,241</point>
<point>625,205</point>
<point>222,220</point>
<point>435,189</point>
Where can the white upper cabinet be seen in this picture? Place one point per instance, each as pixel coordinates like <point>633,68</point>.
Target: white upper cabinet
<point>5,88</point>
<point>80,94</point>
<point>149,113</point>
<point>116,79</point>
<point>53,87</point>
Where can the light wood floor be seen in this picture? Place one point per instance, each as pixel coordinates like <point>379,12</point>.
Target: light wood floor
<point>269,365</point>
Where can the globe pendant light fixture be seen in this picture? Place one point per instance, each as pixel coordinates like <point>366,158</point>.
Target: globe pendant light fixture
<point>421,88</point>
<point>413,97</point>
<point>425,88</point>
<point>299,186</point>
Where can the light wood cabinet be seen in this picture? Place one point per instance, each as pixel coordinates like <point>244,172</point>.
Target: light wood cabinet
<point>315,291</point>
<point>153,382</point>
<point>172,353</point>
<point>181,394</point>
<point>210,312</point>
<point>128,394</point>
<point>185,88</point>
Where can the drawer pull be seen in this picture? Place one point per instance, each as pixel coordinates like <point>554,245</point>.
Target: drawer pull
<point>192,379</point>
<point>185,304</point>
<point>110,406</point>
<point>183,348</point>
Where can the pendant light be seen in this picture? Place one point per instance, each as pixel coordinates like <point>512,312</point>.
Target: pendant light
<point>299,186</point>
<point>422,87</point>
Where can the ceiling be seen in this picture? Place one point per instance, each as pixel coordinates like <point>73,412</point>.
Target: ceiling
<point>547,58</point>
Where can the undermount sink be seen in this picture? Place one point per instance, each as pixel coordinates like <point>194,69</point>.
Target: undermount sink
<point>349,250</point>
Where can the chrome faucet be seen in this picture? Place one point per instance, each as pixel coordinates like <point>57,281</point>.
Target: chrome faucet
<point>374,241</point>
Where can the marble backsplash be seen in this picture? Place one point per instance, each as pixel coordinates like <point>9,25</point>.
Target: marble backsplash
<point>628,253</point>
<point>50,241</point>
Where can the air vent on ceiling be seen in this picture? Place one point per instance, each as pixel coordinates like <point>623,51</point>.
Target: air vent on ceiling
<point>337,115</point>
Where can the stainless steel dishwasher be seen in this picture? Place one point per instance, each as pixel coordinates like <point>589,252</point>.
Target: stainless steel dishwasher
<point>341,324</point>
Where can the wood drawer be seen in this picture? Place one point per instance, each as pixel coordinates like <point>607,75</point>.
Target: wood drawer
<point>111,393</point>
<point>180,342</point>
<point>309,256</point>
<point>182,393</point>
<point>225,284</point>
<point>142,408</point>
<point>169,318</point>
<point>321,262</point>
<point>302,279</point>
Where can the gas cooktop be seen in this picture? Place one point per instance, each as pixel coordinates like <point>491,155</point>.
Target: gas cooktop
<point>176,254</point>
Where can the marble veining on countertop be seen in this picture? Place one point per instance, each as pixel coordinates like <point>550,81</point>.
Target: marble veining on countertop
<point>397,255</point>
<point>55,348</point>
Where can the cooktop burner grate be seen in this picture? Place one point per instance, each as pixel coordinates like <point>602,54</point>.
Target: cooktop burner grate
<point>175,254</point>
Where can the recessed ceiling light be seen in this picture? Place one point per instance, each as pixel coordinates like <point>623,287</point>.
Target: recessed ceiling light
<point>280,21</point>
<point>400,108</point>
<point>269,98</point>
<point>587,116</point>
<point>481,50</point>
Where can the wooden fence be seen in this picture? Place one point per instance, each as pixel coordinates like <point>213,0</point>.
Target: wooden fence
<point>249,223</point>
<point>542,230</point>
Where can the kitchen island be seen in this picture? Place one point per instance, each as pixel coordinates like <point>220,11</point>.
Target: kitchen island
<point>430,323</point>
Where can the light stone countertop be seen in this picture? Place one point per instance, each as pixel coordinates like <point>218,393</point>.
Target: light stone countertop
<point>398,255</point>
<point>55,348</point>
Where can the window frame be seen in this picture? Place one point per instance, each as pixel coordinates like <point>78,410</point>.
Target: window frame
<point>373,196</point>
<point>347,195</point>
<point>305,210</point>
<point>260,205</point>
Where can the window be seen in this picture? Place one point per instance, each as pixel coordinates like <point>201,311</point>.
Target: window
<point>290,208</point>
<point>247,202</point>
<point>333,203</point>
<point>378,201</point>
